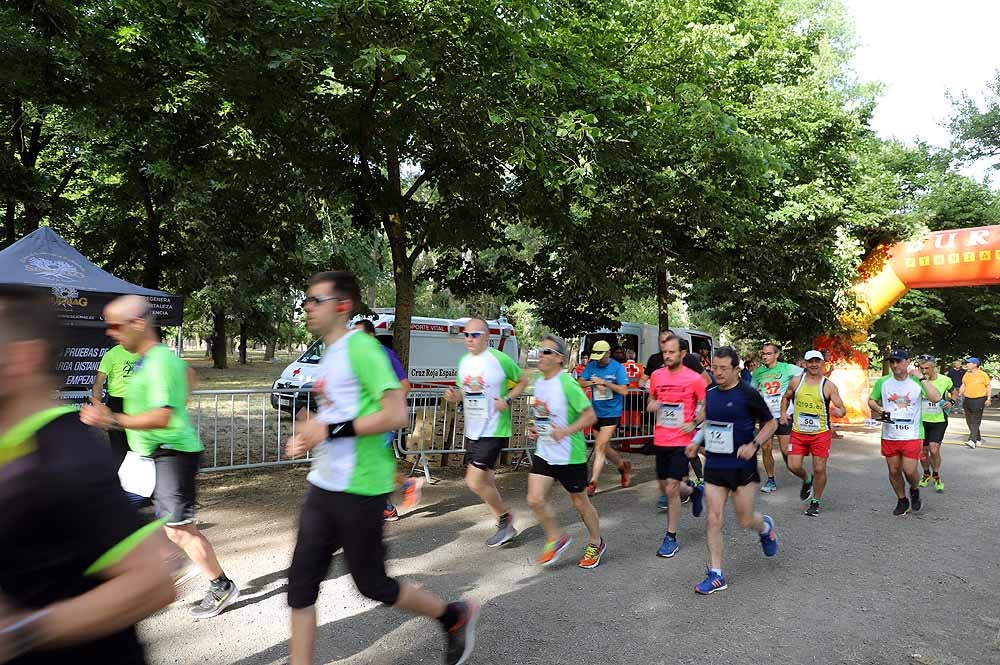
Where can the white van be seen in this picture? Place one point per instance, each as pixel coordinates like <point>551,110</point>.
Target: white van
<point>436,346</point>
<point>643,339</point>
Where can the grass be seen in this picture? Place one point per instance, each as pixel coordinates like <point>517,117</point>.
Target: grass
<point>257,373</point>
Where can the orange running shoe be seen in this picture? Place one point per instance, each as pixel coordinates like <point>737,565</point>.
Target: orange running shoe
<point>625,470</point>
<point>592,555</point>
<point>412,491</point>
<point>553,550</point>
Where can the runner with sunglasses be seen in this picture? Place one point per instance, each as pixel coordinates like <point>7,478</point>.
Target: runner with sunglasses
<point>560,412</point>
<point>487,383</point>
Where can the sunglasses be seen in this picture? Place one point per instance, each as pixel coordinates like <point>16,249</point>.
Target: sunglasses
<point>474,335</point>
<point>549,352</point>
<point>318,300</point>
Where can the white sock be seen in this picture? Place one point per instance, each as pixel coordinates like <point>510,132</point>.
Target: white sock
<point>717,571</point>
<point>766,530</point>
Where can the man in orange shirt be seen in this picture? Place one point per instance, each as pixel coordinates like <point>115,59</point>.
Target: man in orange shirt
<point>633,370</point>
<point>976,391</point>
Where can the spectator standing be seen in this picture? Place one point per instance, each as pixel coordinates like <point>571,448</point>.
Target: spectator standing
<point>976,391</point>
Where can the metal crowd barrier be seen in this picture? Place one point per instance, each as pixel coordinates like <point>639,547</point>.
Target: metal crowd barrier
<point>247,428</point>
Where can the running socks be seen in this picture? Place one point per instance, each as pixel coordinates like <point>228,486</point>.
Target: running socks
<point>672,534</point>
<point>767,530</point>
<point>449,618</point>
<point>222,582</point>
<point>717,571</point>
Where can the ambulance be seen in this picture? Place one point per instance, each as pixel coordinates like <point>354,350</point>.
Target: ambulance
<point>436,346</point>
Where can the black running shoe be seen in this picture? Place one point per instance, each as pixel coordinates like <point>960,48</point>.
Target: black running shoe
<point>462,636</point>
<point>915,499</point>
<point>807,489</point>
<point>813,509</point>
<point>902,507</point>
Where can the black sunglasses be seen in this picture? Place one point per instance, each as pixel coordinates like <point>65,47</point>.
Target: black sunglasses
<point>318,300</point>
<point>474,335</point>
<point>550,352</point>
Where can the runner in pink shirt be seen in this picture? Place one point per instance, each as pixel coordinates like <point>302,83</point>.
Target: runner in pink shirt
<point>676,397</point>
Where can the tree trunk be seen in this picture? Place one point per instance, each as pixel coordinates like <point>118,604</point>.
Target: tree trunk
<point>9,225</point>
<point>269,350</point>
<point>243,341</point>
<point>152,267</point>
<point>663,298</point>
<point>218,337</point>
<point>402,273</point>
<point>370,296</point>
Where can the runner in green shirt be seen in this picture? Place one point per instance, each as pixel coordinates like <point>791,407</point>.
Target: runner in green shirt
<point>155,419</point>
<point>771,380</point>
<point>353,471</point>
<point>115,369</point>
<point>935,417</point>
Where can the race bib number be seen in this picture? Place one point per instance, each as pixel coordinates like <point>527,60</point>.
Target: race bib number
<point>932,408</point>
<point>137,474</point>
<point>774,404</point>
<point>671,415</point>
<point>900,429</point>
<point>808,423</point>
<point>543,427</point>
<point>602,393</point>
<point>719,437</point>
<point>476,407</point>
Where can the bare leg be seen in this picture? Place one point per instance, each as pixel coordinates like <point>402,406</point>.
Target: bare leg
<point>538,499</point>
<point>819,476</point>
<point>588,513</point>
<point>767,456</point>
<point>303,635</point>
<point>715,502</point>
<point>910,471</point>
<point>483,484</point>
<point>198,549</point>
<point>784,440</point>
<point>743,504</point>
<point>936,457</point>
<point>602,449</point>
<point>676,490</point>
<point>926,461</point>
<point>795,466</point>
<point>895,464</point>
<point>415,600</point>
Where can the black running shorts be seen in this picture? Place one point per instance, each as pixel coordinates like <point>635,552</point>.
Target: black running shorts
<point>573,477</point>
<point>484,453</point>
<point>934,432</point>
<point>731,479</point>
<point>671,463</point>
<point>328,522</point>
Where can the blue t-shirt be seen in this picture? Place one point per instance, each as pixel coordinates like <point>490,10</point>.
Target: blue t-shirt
<point>607,404</point>
<point>744,408</point>
<point>397,366</point>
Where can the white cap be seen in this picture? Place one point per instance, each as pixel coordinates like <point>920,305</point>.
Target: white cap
<point>813,355</point>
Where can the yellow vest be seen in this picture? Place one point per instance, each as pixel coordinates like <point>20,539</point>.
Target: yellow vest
<point>811,415</point>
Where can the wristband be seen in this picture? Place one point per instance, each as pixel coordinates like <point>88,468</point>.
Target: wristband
<point>340,430</point>
<point>508,400</point>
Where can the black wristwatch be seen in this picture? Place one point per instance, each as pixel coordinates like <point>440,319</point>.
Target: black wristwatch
<point>508,400</point>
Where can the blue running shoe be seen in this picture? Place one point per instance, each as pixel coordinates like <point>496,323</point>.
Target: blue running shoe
<point>769,486</point>
<point>662,504</point>
<point>698,500</point>
<point>668,547</point>
<point>713,582</point>
<point>769,543</point>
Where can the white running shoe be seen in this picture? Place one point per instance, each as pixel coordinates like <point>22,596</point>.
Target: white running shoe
<point>971,444</point>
